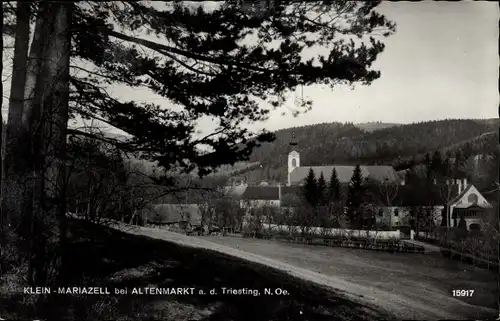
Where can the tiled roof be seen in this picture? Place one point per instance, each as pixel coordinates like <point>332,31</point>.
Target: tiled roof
<point>459,196</point>
<point>267,193</point>
<point>344,173</point>
<point>440,194</point>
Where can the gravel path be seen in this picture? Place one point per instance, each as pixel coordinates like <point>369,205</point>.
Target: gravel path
<point>397,284</point>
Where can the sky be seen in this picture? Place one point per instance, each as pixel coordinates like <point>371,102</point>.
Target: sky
<point>442,62</point>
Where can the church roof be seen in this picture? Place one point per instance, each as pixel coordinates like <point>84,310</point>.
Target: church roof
<point>344,173</point>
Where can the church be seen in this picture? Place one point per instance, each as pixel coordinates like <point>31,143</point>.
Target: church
<point>464,200</point>
<point>264,194</point>
<point>297,173</point>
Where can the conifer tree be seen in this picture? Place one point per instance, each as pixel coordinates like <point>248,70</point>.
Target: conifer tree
<point>355,197</point>
<point>428,166</point>
<point>458,164</point>
<point>194,59</point>
<point>334,187</point>
<point>436,165</point>
<point>322,189</point>
<point>310,188</point>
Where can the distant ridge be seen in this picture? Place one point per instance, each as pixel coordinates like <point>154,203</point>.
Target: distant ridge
<point>373,126</point>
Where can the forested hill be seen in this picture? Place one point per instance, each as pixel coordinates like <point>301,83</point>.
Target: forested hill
<point>336,143</point>
<point>372,126</point>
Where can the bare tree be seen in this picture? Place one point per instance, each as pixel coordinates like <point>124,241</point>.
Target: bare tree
<point>388,192</point>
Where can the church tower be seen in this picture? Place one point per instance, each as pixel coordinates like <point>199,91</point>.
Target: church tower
<point>293,160</point>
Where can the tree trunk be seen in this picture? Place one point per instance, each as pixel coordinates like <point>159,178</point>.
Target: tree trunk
<point>48,122</point>
<point>55,109</point>
<point>28,176</point>
<point>2,218</point>
<point>14,156</point>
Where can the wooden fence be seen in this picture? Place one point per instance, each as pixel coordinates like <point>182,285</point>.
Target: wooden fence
<point>366,244</point>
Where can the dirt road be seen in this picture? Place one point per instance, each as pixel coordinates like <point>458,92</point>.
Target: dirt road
<point>410,286</point>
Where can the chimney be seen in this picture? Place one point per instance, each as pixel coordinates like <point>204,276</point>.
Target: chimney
<point>465,183</point>
<point>435,181</point>
<point>459,186</point>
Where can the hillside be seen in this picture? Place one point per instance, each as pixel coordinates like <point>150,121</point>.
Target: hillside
<point>373,126</point>
<point>336,143</point>
<point>365,143</point>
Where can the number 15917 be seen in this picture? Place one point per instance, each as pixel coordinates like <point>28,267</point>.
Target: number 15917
<point>466,293</point>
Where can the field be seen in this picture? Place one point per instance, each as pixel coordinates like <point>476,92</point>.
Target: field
<point>104,257</point>
<point>418,285</point>
<point>322,283</point>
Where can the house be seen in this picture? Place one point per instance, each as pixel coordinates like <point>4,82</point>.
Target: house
<point>297,173</point>
<point>259,196</point>
<point>396,217</point>
<point>470,206</point>
<point>173,216</point>
<point>454,199</point>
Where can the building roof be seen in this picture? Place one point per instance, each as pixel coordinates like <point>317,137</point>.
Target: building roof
<point>174,213</point>
<point>439,194</point>
<point>459,196</point>
<point>267,193</point>
<point>344,173</point>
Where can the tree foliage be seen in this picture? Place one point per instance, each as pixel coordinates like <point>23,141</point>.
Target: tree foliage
<point>197,61</point>
<point>355,197</point>
<point>225,64</point>
<point>322,189</point>
<point>310,188</point>
<point>334,187</point>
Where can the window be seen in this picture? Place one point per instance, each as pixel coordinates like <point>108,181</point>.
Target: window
<point>472,198</point>
<point>396,212</point>
<point>475,227</point>
<point>380,212</point>
<point>294,162</point>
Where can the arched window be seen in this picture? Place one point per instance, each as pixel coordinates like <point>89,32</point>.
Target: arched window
<point>475,227</point>
<point>472,198</point>
<point>294,162</point>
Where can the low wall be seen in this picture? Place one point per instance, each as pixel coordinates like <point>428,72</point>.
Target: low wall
<point>332,231</point>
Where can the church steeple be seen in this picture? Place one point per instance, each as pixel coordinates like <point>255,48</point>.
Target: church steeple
<point>293,158</point>
<point>293,141</point>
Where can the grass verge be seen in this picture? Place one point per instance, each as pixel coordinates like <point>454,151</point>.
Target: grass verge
<point>102,257</point>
